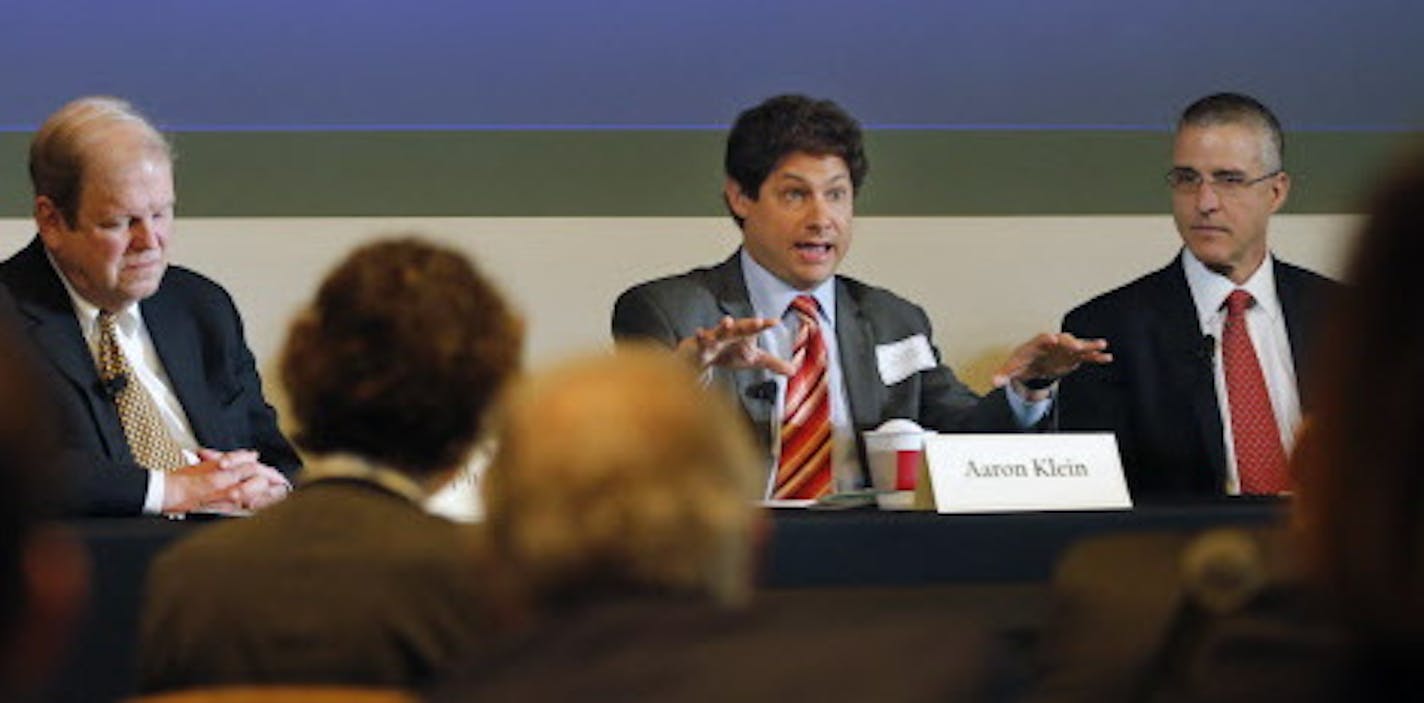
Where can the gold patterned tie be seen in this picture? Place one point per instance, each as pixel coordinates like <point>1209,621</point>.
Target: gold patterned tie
<point>149,441</point>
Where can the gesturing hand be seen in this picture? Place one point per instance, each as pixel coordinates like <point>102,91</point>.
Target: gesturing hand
<point>1051,356</point>
<point>732,344</point>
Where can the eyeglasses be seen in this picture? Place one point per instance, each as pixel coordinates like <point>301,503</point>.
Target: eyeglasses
<point>1189,181</point>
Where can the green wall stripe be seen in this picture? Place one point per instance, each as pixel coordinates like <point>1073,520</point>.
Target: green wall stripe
<point>678,173</point>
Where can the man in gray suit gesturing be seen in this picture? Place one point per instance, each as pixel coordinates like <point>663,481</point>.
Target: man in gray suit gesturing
<point>754,321</point>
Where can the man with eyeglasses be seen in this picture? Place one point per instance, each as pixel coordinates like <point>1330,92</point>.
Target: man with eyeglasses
<point>1202,393</point>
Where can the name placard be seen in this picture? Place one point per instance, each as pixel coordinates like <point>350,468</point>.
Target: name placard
<point>994,473</point>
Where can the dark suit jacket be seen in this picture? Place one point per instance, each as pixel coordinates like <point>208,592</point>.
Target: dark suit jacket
<point>664,648</point>
<point>198,335</point>
<point>1172,616</point>
<point>1159,393</point>
<point>671,309</point>
<point>343,582</point>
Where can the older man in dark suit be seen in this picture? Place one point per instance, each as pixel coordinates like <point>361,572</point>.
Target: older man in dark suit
<point>163,404</point>
<point>794,166</point>
<point>1188,418</point>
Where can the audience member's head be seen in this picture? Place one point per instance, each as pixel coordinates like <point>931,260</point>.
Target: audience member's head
<point>1359,463</point>
<point>621,475</point>
<point>784,125</point>
<point>42,570</point>
<point>399,357</point>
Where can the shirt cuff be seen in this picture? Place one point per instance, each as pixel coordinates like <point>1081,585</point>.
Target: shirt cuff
<point>153,499</point>
<point>1027,413</point>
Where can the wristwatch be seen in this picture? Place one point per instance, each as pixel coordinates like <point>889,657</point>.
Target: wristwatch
<point>1038,384</point>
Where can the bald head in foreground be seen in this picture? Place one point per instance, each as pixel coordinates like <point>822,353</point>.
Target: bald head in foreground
<point>621,507</point>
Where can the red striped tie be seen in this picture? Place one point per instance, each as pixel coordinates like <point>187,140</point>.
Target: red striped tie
<point>804,469</point>
<point>1260,456</point>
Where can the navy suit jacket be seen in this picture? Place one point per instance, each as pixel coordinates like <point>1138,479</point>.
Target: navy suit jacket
<point>671,309</point>
<point>1159,393</point>
<point>198,335</point>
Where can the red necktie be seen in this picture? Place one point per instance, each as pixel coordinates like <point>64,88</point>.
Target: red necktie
<point>804,467</point>
<point>1260,456</point>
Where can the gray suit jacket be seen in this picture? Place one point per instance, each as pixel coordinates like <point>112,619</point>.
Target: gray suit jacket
<point>670,309</point>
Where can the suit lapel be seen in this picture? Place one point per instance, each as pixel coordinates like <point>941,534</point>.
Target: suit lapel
<point>179,346</point>
<point>57,333</point>
<point>1298,326</point>
<point>752,387</point>
<point>48,313</point>
<point>1289,294</point>
<point>1188,361</point>
<point>729,287</point>
<point>859,370</point>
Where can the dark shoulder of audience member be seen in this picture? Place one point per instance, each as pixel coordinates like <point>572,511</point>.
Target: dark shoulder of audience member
<point>1361,503</point>
<point>416,410</point>
<point>42,568</point>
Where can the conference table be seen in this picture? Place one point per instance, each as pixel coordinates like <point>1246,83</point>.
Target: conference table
<point>867,547</point>
<point>843,556</point>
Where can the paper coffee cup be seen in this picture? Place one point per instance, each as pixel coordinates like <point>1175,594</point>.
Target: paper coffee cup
<point>895,450</point>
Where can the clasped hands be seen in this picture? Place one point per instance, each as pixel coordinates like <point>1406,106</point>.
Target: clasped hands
<point>232,482</point>
<point>1047,356</point>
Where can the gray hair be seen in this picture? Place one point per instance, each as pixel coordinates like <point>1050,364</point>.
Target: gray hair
<point>62,147</point>
<point>1235,108</point>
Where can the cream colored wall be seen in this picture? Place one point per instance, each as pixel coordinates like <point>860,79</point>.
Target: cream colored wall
<point>987,282</point>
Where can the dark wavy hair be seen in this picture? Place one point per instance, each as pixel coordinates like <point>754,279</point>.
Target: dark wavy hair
<point>787,124</point>
<point>399,356</point>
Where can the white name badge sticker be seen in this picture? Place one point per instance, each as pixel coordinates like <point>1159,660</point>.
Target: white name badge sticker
<point>900,360</point>
<point>998,473</point>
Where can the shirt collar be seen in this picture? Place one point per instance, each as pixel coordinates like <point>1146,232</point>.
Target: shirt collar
<point>128,320</point>
<point>1209,288</point>
<point>354,468</point>
<point>771,296</point>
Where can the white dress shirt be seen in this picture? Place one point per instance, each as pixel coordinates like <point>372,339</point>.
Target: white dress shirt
<point>137,347</point>
<point>1267,326</point>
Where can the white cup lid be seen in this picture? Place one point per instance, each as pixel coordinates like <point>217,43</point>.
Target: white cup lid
<point>899,426</point>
